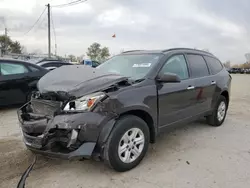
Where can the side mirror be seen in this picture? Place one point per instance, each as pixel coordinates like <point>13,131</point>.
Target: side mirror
<point>168,78</point>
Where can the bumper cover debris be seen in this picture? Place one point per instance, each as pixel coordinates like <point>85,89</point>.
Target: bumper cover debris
<point>67,136</point>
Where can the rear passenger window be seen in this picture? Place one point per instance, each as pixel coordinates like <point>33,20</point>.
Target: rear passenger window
<point>51,65</point>
<point>177,65</point>
<point>198,66</point>
<point>56,65</point>
<point>33,69</point>
<point>214,65</point>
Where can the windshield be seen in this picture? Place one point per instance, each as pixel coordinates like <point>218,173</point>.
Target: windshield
<point>133,66</point>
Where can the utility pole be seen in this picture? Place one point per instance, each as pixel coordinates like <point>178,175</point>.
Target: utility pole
<point>55,50</point>
<point>6,41</point>
<point>49,38</point>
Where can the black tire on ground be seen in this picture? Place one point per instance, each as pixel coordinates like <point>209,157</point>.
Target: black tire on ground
<point>213,118</point>
<point>110,153</point>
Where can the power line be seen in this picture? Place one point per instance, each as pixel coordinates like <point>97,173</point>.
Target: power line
<point>69,4</point>
<point>40,24</point>
<point>54,31</point>
<point>66,4</point>
<point>36,22</point>
<point>49,36</point>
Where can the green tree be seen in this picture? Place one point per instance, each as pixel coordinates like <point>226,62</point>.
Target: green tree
<point>5,43</point>
<point>72,58</point>
<point>95,52</point>
<point>104,54</point>
<point>16,47</point>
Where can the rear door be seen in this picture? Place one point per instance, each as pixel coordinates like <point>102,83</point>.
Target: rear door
<point>215,67</point>
<point>13,82</point>
<point>203,83</point>
<point>175,100</point>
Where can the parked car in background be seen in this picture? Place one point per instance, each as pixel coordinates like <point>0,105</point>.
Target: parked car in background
<point>91,63</point>
<point>36,60</point>
<point>234,70</point>
<point>247,71</point>
<point>17,80</point>
<point>242,71</point>
<point>51,65</point>
<point>114,111</point>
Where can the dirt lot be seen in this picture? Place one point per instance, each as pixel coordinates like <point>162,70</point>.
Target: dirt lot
<point>190,157</point>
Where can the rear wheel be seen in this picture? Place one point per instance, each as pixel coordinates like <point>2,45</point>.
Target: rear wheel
<point>127,144</point>
<point>219,114</point>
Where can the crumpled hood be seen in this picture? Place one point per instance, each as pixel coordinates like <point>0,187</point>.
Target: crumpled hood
<point>77,80</point>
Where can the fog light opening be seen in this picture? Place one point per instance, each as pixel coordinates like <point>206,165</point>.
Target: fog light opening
<point>73,138</point>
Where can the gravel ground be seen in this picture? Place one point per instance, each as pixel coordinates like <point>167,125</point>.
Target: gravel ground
<point>193,156</point>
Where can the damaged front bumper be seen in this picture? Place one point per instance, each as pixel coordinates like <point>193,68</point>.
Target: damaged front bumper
<point>35,144</point>
<point>62,135</point>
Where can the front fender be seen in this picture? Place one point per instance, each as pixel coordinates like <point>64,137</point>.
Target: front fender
<point>105,132</point>
<point>141,107</point>
<point>108,127</point>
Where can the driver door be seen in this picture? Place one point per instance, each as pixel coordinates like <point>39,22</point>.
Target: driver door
<point>175,100</point>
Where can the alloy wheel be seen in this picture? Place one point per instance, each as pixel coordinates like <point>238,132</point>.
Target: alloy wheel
<point>131,145</point>
<point>221,111</point>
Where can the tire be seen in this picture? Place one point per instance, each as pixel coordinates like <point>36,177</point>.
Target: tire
<point>123,127</point>
<point>214,119</point>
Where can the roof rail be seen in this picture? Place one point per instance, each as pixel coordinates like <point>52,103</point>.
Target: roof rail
<point>131,51</point>
<point>170,49</point>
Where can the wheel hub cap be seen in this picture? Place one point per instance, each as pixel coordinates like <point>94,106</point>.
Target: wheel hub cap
<point>221,111</point>
<point>131,145</point>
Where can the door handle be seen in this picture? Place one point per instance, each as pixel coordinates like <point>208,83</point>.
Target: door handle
<point>190,87</point>
<point>213,82</point>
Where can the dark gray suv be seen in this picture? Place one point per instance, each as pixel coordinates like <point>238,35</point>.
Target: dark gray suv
<point>114,111</point>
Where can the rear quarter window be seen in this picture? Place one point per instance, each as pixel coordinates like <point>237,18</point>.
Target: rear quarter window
<point>214,65</point>
<point>33,69</point>
<point>50,65</point>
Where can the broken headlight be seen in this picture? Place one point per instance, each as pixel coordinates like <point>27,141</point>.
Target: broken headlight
<point>84,103</point>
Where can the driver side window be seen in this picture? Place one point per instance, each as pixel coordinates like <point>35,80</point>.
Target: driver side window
<point>177,65</point>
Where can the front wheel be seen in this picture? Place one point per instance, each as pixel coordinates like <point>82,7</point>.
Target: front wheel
<point>219,113</point>
<point>127,144</point>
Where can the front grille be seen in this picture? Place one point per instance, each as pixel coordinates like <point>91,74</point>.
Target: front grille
<point>45,107</point>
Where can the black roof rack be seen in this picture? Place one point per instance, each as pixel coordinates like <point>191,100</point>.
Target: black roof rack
<point>131,51</point>
<point>167,50</point>
<point>170,49</point>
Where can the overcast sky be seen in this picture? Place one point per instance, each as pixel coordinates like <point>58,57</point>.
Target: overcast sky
<point>222,26</point>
